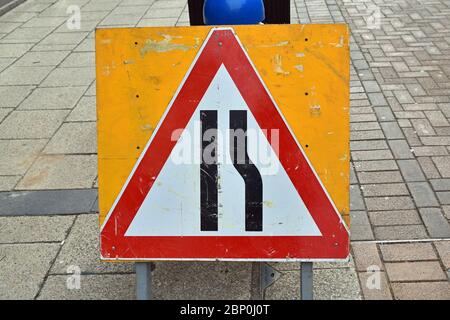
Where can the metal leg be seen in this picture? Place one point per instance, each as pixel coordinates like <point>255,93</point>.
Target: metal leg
<point>306,280</point>
<point>143,280</point>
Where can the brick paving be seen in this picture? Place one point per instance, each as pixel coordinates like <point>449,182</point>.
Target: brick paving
<point>400,147</point>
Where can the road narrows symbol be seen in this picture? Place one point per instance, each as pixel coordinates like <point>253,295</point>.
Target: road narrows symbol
<point>241,161</point>
<point>248,171</point>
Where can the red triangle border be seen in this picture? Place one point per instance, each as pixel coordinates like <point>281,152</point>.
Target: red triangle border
<point>223,47</point>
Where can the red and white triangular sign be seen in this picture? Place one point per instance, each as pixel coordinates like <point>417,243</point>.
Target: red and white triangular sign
<point>272,206</point>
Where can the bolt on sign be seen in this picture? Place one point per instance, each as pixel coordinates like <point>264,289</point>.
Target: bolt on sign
<point>223,143</point>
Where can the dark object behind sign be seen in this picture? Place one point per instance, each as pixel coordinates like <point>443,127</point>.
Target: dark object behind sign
<point>277,11</point>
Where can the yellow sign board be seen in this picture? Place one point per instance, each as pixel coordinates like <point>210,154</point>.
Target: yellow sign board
<point>304,67</point>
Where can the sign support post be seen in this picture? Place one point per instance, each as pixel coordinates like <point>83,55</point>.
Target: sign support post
<point>306,281</point>
<point>143,280</point>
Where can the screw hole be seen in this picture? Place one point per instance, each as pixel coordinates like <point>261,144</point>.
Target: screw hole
<point>306,39</point>
<point>137,96</point>
<point>306,145</point>
<point>135,43</point>
<point>138,147</point>
<point>306,93</point>
<point>272,274</point>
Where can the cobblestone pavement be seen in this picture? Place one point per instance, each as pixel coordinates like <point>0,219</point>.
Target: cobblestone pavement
<point>400,145</point>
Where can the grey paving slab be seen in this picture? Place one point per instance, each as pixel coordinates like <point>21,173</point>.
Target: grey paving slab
<point>53,98</point>
<point>389,203</point>
<point>360,228</point>
<point>32,6</point>
<point>443,165</point>
<point>63,77</point>
<point>85,25</point>
<point>375,165</point>
<point>411,170</point>
<point>379,177</point>
<point>396,217</point>
<point>5,62</point>
<point>329,284</point>
<point>39,59</point>
<point>92,287</point>
<point>23,75</point>
<point>444,197</point>
<point>423,194</point>
<point>422,290</point>
<point>85,110</point>
<point>7,183</point>
<point>82,249</point>
<point>132,9</point>
<point>407,252</point>
<point>440,184</point>
<point>14,50</point>
<point>160,22</point>
<point>18,155</point>
<point>202,280</point>
<point>163,13</point>
<point>88,44</point>
<point>60,172</point>
<point>91,92</point>
<point>74,138</point>
<point>292,266</point>
<point>430,151</point>
<point>23,268</point>
<point>17,16</point>
<point>392,130</point>
<point>371,155</point>
<point>4,112</point>
<point>13,95</point>
<point>384,114</point>
<point>356,199</point>
<point>121,19</point>
<point>27,35</point>
<point>79,59</point>
<point>44,21</point>
<point>401,149</point>
<point>384,189</point>
<point>428,167</point>
<point>435,222</point>
<point>64,38</point>
<point>31,124</point>
<point>400,232</point>
<point>47,202</point>
<point>53,47</point>
<point>34,229</point>
<point>7,27</point>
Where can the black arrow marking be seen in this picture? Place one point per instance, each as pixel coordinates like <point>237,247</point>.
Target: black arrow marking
<point>248,171</point>
<point>208,172</point>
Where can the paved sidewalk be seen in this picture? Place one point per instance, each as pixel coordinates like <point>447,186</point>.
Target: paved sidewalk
<point>400,132</point>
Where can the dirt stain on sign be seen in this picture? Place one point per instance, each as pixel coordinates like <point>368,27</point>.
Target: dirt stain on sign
<point>164,45</point>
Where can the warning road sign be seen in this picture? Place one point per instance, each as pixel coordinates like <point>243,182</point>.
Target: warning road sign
<point>222,176</point>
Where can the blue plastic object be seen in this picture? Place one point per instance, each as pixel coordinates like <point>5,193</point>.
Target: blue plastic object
<point>223,12</point>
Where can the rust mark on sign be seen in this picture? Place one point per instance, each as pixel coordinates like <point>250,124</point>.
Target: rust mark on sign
<point>299,67</point>
<point>315,110</point>
<point>163,46</point>
<point>278,65</point>
<point>278,44</point>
